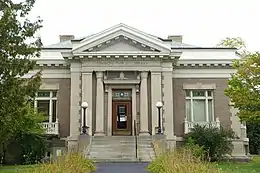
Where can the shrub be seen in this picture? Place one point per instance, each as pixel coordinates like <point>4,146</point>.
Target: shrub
<point>28,148</point>
<point>216,142</point>
<point>28,145</point>
<point>196,150</point>
<point>253,133</point>
<point>69,163</point>
<point>180,161</point>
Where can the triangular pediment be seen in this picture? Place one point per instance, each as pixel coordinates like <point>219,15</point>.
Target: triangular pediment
<point>121,44</point>
<point>121,38</point>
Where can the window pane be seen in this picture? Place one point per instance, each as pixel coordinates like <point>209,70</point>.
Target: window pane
<point>121,109</point>
<point>210,93</point>
<point>210,110</point>
<point>43,94</point>
<point>187,93</point>
<point>43,107</point>
<point>198,93</point>
<point>199,113</point>
<point>54,110</point>
<point>188,110</point>
<point>54,94</point>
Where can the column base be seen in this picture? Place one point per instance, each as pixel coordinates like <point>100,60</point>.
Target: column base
<point>72,145</point>
<point>99,134</point>
<point>144,134</point>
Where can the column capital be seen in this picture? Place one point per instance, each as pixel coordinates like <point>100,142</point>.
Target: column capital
<point>144,75</point>
<point>86,73</point>
<point>156,73</point>
<point>99,74</point>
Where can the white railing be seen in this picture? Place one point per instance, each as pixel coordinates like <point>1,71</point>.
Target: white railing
<point>51,128</point>
<point>189,125</point>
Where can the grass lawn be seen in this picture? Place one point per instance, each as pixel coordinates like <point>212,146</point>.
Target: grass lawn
<point>252,166</point>
<point>15,168</point>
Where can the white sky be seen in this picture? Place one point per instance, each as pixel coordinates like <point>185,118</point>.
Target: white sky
<point>201,22</point>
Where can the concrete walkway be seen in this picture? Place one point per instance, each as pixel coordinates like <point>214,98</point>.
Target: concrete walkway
<point>121,168</point>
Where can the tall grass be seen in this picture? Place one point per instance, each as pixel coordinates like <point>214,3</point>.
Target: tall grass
<point>180,161</point>
<point>69,163</point>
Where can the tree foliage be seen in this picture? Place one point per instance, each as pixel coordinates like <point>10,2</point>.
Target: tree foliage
<point>235,42</point>
<point>253,133</point>
<point>18,44</point>
<point>244,88</point>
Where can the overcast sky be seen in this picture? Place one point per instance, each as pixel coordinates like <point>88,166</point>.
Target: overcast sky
<point>201,22</point>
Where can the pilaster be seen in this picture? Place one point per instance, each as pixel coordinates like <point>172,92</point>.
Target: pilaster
<point>87,97</point>
<point>168,101</point>
<point>100,105</point>
<point>156,95</point>
<point>144,104</point>
<point>74,105</point>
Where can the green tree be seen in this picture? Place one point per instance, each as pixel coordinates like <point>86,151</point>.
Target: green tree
<point>234,42</point>
<point>244,88</point>
<point>244,85</point>
<point>18,44</point>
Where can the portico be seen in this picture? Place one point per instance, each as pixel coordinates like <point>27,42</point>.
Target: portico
<point>123,92</point>
<point>122,73</point>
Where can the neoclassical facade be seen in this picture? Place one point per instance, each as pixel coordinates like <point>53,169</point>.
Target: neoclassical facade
<point>122,73</point>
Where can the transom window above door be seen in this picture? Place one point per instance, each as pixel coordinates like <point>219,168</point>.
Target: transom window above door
<point>199,105</point>
<point>122,94</point>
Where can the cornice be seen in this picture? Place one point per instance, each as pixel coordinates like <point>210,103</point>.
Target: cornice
<point>127,33</point>
<point>123,57</point>
<point>208,65</point>
<point>203,63</point>
<point>49,65</point>
<point>136,56</point>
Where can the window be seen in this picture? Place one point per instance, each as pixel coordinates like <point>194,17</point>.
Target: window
<point>199,105</point>
<point>46,103</point>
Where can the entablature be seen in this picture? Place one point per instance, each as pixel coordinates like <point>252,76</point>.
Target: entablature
<point>182,64</point>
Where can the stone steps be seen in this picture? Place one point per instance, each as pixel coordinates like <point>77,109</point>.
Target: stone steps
<point>121,149</point>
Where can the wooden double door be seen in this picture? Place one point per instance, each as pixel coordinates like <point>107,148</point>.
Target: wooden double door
<point>122,118</point>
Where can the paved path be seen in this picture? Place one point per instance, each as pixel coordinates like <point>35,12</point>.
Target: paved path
<point>121,168</point>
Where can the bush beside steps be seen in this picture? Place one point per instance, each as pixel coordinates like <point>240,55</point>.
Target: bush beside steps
<point>180,161</point>
<point>69,163</point>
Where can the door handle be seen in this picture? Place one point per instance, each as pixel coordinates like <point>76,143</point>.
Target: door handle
<point>130,115</point>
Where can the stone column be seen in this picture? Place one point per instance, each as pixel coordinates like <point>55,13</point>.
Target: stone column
<point>168,101</point>
<point>75,106</point>
<point>100,105</point>
<point>109,112</point>
<point>87,97</point>
<point>156,95</point>
<point>133,108</point>
<point>144,104</point>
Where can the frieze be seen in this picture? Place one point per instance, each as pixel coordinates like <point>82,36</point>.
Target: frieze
<point>122,62</point>
<point>119,63</point>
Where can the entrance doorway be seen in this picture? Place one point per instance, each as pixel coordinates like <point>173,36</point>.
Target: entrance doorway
<point>122,117</point>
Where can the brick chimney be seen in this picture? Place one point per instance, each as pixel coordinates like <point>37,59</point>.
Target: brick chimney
<point>177,38</point>
<point>66,37</point>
